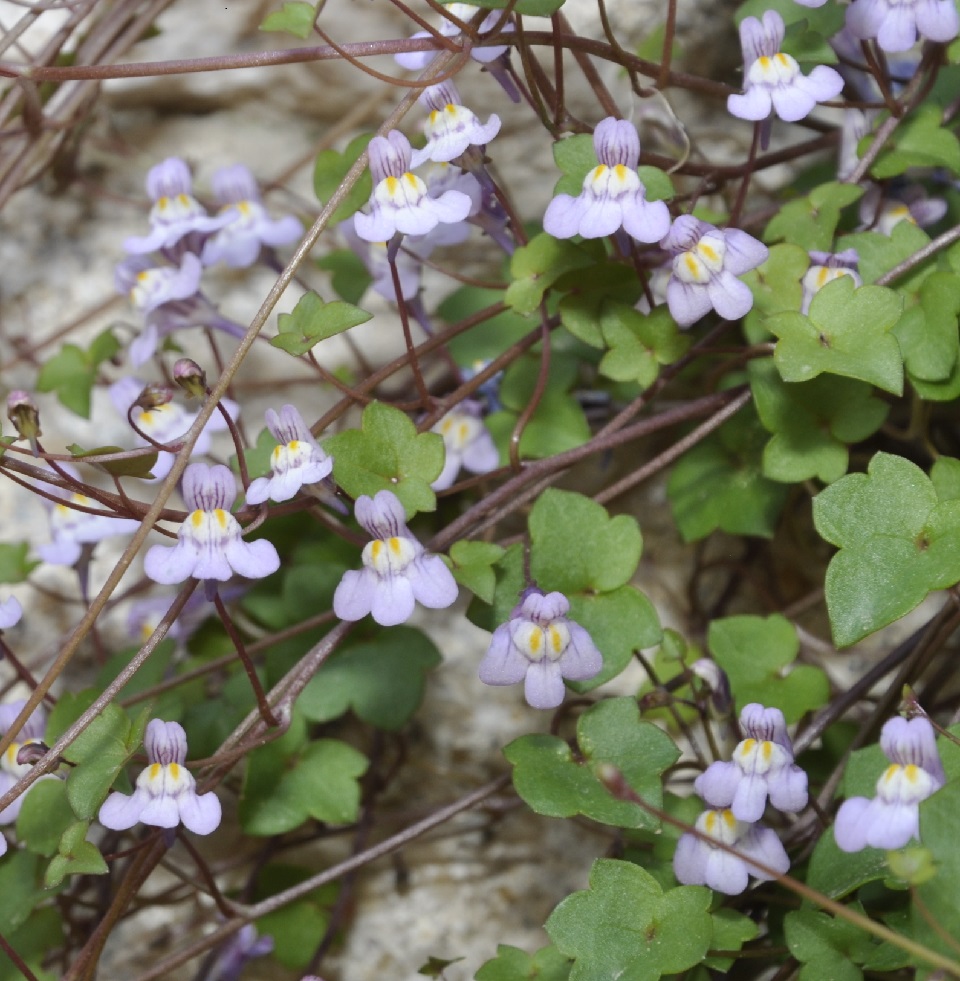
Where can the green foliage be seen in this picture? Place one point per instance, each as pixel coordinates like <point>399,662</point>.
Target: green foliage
<point>776,286</point>
<point>919,141</point>
<point>313,321</point>
<point>847,332</point>
<point>720,484</point>
<point>472,566</point>
<point>587,294</point>
<point>811,222</point>
<point>755,653</point>
<point>387,453</point>
<point>535,8</point>
<point>927,333</point>
<point>298,927</point>
<point>33,941</point>
<point>558,422</point>
<point>488,339</point>
<point>898,541</point>
<point>292,18</point>
<point>639,343</point>
<point>331,168</point>
<point>382,680</point>
<point>881,253</point>
<point>75,856</point>
<point>99,752</point>
<point>282,790</point>
<point>15,565</point>
<point>812,422</point>
<point>138,466</point>
<point>837,874</point>
<point>513,964</point>
<point>20,890</point>
<point>626,928</point>
<point>536,266</point>
<point>610,733</point>
<point>348,274</point>
<point>829,947</point>
<point>44,816</point>
<point>72,371</point>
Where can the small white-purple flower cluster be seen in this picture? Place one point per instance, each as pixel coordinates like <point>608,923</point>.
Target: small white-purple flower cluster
<point>704,261</point>
<point>166,791</point>
<point>162,273</point>
<point>892,818</point>
<point>540,646</point>
<point>762,769</point>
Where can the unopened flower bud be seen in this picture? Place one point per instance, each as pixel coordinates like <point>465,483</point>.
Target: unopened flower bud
<point>190,377</point>
<point>22,412</point>
<point>30,753</point>
<point>154,395</point>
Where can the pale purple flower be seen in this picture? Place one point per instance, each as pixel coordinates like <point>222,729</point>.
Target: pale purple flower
<point>540,646</point>
<point>418,60</point>
<point>467,443</point>
<point>400,201</point>
<point>706,263</point>
<point>176,213</point>
<point>896,23</point>
<point>209,545</point>
<point>810,3</point>
<point>762,766</point>
<point>239,243</point>
<point>10,612</point>
<point>236,951</point>
<point>613,196</point>
<point>10,770</point>
<point>911,204</point>
<point>892,818</point>
<point>397,570</point>
<point>166,792</point>
<point>71,529</point>
<point>772,80</point>
<point>700,863</point>
<point>167,422</point>
<point>825,267</point>
<point>297,459</point>
<point>451,128</point>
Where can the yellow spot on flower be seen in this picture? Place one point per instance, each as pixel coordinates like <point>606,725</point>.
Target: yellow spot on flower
<point>183,200</point>
<point>293,445</point>
<point>709,251</point>
<point>711,822</point>
<point>221,517</point>
<point>450,107</point>
<point>392,184</point>
<point>766,750</point>
<point>621,171</point>
<point>782,58</point>
<point>395,545</point>
<point>692,264</point>
<point>376,547</point>
<point>175,771</point>
<point>534,641</point>
<point>155,769</point>
<point>196,519</point>
<point>764,61</point>
<point>557,640</point>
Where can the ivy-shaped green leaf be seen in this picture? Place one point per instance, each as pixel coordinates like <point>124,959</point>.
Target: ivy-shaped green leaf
<point>558,423</point>
<point>382,681</point>
<point>348,275</point>
<point>921,140</point>
<point>76,856</point>
<point>720,484</point>
<point>72,371</point>
<point>313,321</point>
<point>472,566</point>
<point>387,453</point>
<point>321,783</point>
<point>536,266</point>
<point>611,732</point>
<point>639,343</point>
<point>878,254</point>
<point>776,287</point>
<point>897,540</point>
<point>847,332</point>
<point>755,653</point>
<point>44,816</point>
<point>927,332</point>
<point>812,422</point>
<point>513,964</point>
<point>626,927</point>
<point>811,222</point>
